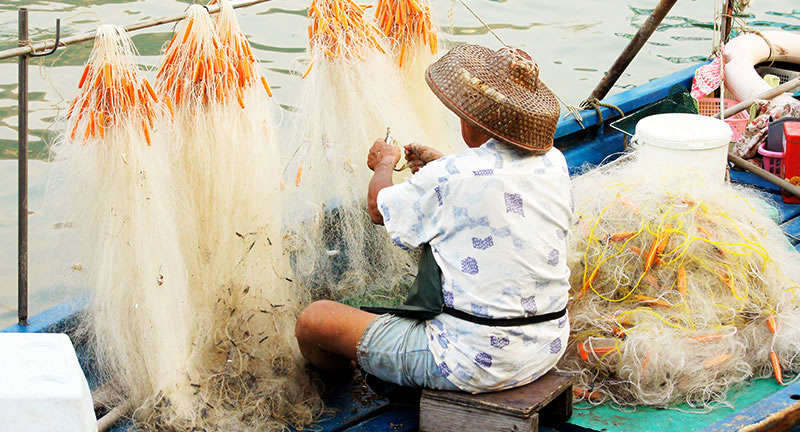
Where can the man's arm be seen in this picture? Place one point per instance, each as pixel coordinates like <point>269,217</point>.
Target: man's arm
<point>381,160</point>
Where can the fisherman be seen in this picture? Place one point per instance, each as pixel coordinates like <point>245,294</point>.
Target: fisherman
<point>487,310</point>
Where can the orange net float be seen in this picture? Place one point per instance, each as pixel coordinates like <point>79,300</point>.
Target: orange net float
<point>339,29</point>
<point>239,52</point>
<point>407,23</point>
<point>197,67</point>
<point>110,91</point>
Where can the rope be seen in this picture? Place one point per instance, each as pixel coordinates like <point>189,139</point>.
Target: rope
<point>483,22</point>
<point>572,110</point>
<point>595,104</point>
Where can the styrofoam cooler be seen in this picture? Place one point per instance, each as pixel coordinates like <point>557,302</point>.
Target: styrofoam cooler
<point>687,142</point>
<point>42,386</point>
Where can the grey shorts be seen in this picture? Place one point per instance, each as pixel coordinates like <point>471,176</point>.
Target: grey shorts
<point>395,349</point>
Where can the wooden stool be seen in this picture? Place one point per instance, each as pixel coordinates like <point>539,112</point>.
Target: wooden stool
<point>548,399</point>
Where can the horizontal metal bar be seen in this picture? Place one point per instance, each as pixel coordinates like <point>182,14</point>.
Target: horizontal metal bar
<point>14,52</point>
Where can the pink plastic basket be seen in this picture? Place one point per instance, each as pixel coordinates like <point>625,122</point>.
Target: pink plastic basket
<point>773,161</point>
<point>710,106</point>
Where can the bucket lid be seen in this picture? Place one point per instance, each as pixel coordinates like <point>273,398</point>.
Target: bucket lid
<point>683,131</point>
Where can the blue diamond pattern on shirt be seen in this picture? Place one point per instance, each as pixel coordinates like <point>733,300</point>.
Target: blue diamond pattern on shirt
<point>529,304</point>
<point>483,359</point>
<point>483,172</point>
<point>562,322</point>
<point>442,339</point>
<point>385,211</point>
<point>417,229</point>
<point>479,310</point>
<point>552,257</point>
<point>398,243</point>
<point>463,221</point>
<point>448,298</point>
<point>438,324</point>
<point>469,266</point>
<point>514,203</point>
<point>499,342</point>
<point>546,161</point>
<point>438,191</point>
<point>555,346</point>
<point>458,288</point>
<point>444,369</point>
<point>463,373</point>
<point>561,234</point>
<point>515,291</point>
<point>498,161</point>
<point>450,166</point>
<point>539,171</point>
<point>482,244</point>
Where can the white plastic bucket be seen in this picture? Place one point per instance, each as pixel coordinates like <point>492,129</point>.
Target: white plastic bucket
<point>685,142</point>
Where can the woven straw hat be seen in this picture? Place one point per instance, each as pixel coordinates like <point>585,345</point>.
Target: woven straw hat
<point>499,92</point>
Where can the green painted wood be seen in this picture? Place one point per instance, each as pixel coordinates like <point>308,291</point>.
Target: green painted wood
<point>605,418</point>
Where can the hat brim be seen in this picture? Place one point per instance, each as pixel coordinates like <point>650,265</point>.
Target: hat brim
<point>475,122</point>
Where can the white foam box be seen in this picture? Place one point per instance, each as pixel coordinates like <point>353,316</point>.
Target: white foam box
<point>42,386</point>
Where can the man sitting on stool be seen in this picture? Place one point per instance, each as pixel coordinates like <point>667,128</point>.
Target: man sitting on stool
<point>487,311</point>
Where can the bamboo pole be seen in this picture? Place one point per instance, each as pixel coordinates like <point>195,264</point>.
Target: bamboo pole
<point>108,420</point>
<point>32,48</point>
<point>743,164</point>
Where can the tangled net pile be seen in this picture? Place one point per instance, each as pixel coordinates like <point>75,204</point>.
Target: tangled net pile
<point>681,289</point>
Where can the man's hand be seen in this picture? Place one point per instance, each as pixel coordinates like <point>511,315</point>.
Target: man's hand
<point>419,155</point>
<point>382,153</point>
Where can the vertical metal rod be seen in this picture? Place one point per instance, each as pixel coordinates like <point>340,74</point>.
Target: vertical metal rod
<point>22,130</point>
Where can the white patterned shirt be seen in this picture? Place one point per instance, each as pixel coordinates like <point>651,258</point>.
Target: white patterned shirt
<point>497,220</point>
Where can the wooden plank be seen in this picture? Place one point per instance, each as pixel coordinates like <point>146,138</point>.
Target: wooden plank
<point>792,230</point>
<point>521,401</point>
<point>777,412</point>
<point>392,420</point>
<point>647,419</point>
<point>352,403</point>
<point>441,416</point>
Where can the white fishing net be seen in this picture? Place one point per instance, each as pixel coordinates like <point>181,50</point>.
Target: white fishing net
<point>682,287</point>
<point>352,91</point>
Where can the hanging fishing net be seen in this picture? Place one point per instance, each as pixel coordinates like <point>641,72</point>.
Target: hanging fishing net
<point>352,91</point>
<point>681,288</point>
<point>414,44</point>
<point>115,182</point>
<point>246,371</point>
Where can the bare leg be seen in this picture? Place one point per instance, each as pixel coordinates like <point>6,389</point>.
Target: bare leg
<point>328,333</point>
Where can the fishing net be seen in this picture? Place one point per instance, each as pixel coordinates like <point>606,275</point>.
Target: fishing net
<point>351,93</point>
<point>246,371</point>
<point>115,182</point>
<point>681,287</point>
<point>414,43</point>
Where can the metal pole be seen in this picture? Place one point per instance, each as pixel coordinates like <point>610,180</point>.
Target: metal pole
<point>22,131</point>
<point>630,51</point>
<point>89,36</point>
<point>741,163</point>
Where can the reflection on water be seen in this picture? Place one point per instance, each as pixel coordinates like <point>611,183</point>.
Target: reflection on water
<point>573,50</point>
